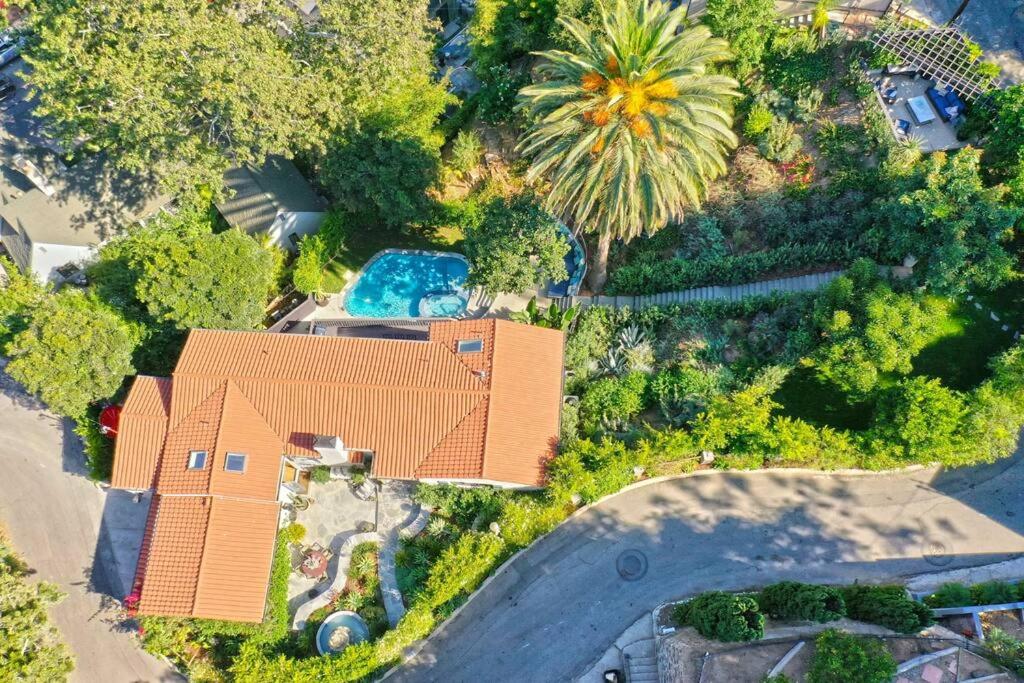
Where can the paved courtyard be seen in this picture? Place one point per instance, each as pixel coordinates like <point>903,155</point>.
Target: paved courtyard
<point>337,514</point>
<point>934,136</point>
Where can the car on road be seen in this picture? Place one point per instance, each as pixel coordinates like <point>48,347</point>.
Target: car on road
<point>10,48</point>
<point>6,88</point>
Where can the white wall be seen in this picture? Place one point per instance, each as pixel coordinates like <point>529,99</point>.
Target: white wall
<point>47,258</point>
<point>294,222</point>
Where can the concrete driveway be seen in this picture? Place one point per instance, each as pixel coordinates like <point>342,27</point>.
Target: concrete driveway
<point>60,522</point>
<point>561,603</point>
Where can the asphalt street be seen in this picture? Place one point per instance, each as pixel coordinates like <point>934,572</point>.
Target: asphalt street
<point>557,607</point>
<point>61,523</point>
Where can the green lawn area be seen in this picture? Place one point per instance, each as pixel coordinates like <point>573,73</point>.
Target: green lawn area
<point>361,244</point>
<point>962,347</point>
<point>803,395</point>
<point>958,354</point>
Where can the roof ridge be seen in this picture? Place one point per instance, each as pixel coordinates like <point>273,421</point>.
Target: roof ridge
<point>390,387</point>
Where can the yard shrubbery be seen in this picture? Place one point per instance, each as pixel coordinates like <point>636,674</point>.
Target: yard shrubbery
<point>802,601</point>
<point>850,658</point>
<point>722,616</point>
<point>887,606</point>
<point>988,593</point>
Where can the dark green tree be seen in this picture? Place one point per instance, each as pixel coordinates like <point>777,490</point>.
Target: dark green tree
<point>76,350</point>
<point>748,25</point>
<point>18,297</point>
<point>887,606</point>
<point>516,245</point>
<point>956,226</point>
<point>722,616</point>
<point>801,601</point>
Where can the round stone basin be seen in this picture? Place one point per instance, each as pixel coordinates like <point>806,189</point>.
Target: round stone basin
<point>340,630</point>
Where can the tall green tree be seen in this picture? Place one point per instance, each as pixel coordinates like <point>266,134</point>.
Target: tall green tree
<point>868,330</point>
<point>514,246</point>
<point>76,350</point>
<point>217,281</point>
<point>19,295</point>
<point>748,25</point>
<point>31,649</point>
<point>953,223</point>
<point>922,418</point>
<point>179,87</point>
<point>630,128</point>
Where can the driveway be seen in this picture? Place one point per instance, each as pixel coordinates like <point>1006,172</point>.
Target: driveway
<point>59,521</point>
<point>561,603</point>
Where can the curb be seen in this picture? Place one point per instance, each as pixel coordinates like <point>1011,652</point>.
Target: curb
<point>414,649</point>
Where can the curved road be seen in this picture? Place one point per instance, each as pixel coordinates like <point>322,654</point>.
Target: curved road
<point>556,608</point>
<point>54,515</point>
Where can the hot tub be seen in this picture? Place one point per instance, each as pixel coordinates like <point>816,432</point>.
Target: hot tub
<point>340,630</point>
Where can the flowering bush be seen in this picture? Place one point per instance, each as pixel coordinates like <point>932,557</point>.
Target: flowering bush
<point>799,172</point>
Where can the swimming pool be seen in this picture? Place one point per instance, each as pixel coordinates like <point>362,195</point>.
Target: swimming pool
<point>393,283</point>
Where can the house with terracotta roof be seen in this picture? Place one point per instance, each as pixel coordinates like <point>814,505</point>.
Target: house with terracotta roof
<point>222,442</point>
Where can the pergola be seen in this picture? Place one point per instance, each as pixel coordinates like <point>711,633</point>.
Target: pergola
<point>941,54</point>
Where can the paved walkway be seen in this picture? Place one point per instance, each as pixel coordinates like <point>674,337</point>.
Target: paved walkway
<point>559,605</point>
<point>800,283</point>
<point>60,522</point>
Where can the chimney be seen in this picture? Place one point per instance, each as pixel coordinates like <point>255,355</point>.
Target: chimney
<point>21,163</point>
<point>331,449</point>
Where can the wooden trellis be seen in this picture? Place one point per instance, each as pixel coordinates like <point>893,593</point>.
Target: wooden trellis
<point>941,54</point>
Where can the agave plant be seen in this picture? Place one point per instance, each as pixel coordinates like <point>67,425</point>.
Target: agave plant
<point>614,363</point>
<point>630,128</point>
<point>631,337</point>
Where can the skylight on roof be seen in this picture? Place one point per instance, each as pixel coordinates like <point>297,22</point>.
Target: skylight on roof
<point>235,462</point>
<point>470,345</point>
<point>196,460</point>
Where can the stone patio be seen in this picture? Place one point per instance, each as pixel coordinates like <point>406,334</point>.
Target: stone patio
<point>336,514</point>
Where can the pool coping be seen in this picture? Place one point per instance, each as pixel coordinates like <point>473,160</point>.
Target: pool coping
<point>343,294</point>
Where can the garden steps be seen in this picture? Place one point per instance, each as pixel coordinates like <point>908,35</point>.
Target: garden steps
<point>387,571</point>
<point>641,661</point>
<point>801,283</point>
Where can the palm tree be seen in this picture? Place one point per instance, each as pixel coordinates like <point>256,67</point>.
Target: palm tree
<point>630,129</point>
<point>820,18</point>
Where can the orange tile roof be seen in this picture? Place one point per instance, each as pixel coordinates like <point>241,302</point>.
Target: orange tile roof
<point>424,410</point>
<point>141,433</point>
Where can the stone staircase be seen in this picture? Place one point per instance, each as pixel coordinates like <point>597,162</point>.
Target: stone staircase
<point>799,283</point>
<point>640,659</point>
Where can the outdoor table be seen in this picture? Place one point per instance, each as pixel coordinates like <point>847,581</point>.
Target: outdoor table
<point>315,564</point>
<point>921,110</point>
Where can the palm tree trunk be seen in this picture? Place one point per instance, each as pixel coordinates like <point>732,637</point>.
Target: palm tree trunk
<point>599,267</point>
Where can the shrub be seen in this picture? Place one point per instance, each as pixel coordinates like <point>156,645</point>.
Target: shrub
<point>1006,650</point>
<point>466,151</point>
<point>993,593</point>
<point>499,86</point>
<point>611,402</point>
<point>462,567</point>
<point>308,273</point>
<point>293,533</point>
<point>321,474</point>
<point>845,657</point>
<point>98,448</point>
<point>590,471</point>
<point>677,274</point>
<point>950,595</point>
<point>887,606</point>
<point>780,142</point>
<point>722,616</point>
<point>802,601</point>
<point>758,121</point>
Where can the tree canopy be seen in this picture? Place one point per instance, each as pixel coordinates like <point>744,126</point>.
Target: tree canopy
<point>514,246</point>
<point>31,649</point>
<point>747,25</point>
<point>75,350</point>
<point>955,225</point>
<point>188,89</point>
<point>629,140</point>
<point>868,330</point>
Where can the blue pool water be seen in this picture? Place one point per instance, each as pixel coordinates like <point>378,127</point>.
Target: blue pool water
<point>393,285</point>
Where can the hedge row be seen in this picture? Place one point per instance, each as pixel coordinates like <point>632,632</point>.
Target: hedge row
<point>732,617</point>
<point>678,274</point>
<point>988,593</point>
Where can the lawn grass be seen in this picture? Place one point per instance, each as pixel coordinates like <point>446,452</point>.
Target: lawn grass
<point>958,354</point>
<point>807,397</point>
<point>964,343</point>
<point>361,244</point>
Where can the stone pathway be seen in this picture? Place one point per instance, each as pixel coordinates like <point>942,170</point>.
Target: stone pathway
<point>338,583</point>
<point>387,570</point>
<point>800,283</point>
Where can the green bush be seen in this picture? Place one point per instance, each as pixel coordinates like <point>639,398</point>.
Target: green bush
<point>722,616</point>
<point>802,601</point>
<point>321,474</point>
<point>611,402</point>
<point>1006,650</point>
<point>950,595</point>
<point>780,142</point>
<point>99,449</point>
<point>887,606</point>
<point>677,274</point>
<point>758,121</point>
<point>845,657</point>
<point>993,593</point>
<point>293,533</point>
<point>466,151</point>
<point>308,273</point>
<point>499,86</point>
